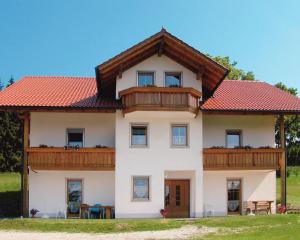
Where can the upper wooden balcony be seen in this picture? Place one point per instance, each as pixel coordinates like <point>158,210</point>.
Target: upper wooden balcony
<point>242,159</point>
<point>160,99</point>
<point>86,159</point>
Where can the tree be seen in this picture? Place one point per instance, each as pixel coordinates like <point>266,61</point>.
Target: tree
<point>234,72</point>
<point>1,85</point>
<point>10,81</point>
<point>291,123</point>
<point>10,139</point>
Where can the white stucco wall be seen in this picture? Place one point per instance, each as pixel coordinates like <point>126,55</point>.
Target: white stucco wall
<point>50,128</point>
<point>256,186</point>
<point>155,160</point>
<point>158,65</point>
<point>257,130</point>
<point>47,189</point>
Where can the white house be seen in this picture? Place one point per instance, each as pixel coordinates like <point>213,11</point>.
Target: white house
<point>158,128</point>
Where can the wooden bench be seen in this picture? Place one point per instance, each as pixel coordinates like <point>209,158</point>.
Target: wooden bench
<point>257,207</point>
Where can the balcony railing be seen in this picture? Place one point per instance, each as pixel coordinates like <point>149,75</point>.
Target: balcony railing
<point>87,159</point>
<point>160,99</point>
<point>241,159</point>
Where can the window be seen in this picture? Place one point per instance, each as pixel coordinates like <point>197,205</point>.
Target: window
<point>139,136</point>
<point>140,188</point>
<point>173,79</point>
<point>75,137</point>
<point>145,79</point>
<point>233,138</point>
<point>74,196</point>
<point>179,135</point>
<point>233,196</point>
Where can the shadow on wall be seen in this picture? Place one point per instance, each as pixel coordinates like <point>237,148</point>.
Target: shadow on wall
<point>10,204</point>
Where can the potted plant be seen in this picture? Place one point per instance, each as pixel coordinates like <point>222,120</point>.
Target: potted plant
<point>33,212</point>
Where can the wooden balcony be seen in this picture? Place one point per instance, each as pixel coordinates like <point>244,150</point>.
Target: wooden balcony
<point>160,99</point>
<point>242,159</point>
<point>86,159</point>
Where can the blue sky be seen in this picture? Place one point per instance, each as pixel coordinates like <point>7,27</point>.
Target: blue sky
<point>55,37</point>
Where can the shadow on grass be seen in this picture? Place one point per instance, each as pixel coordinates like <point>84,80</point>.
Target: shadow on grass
<point>10,204</point>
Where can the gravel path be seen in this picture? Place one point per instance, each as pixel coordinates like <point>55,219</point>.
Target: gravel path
<point>179,233</point>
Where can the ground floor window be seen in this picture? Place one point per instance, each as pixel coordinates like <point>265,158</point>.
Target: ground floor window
<point>74,196</point>
<point>233,196</point>
<point>141,189</point>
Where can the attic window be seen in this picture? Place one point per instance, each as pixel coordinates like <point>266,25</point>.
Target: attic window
<point>173,79</point>
<point>145,79</point>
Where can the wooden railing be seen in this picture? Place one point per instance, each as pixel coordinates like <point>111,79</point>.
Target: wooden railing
<point>160,99</point>
<point>87,159</point>
<point>239,159</point>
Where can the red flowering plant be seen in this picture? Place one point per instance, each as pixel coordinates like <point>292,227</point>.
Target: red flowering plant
<point>163,212</point>
<point>282,209</point>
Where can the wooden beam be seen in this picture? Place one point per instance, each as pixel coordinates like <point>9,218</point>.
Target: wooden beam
<point>200,73</point>
<point>25,192</point>
<point>282,161</point>
<point>161,48</point>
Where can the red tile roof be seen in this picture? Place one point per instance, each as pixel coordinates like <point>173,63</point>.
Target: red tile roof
<point>80,93</point>
<point>241,95</point>
<point>54,92</point>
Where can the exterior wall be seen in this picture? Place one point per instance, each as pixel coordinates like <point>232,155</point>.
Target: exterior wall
<point>159,65</point>
<point>256,130</point>
<point>256,185</point>
<point>156,161</point>
<point>50,128</point>
<point>47,189</point>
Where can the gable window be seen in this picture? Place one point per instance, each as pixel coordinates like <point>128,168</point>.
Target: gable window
<point>139,135</point>
<point>173,79</point>
<point>140,189</point>
<point>233,138</point>
<point>145,79</point>
<point>75,137</point>
<point>179,135</point>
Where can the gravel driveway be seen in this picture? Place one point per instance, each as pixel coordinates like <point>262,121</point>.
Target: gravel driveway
<point>179,233</point>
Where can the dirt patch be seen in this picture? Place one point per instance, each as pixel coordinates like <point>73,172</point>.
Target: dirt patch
<point>179,233</point>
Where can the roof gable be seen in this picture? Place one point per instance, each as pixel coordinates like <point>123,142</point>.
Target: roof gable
<point>160,43</point>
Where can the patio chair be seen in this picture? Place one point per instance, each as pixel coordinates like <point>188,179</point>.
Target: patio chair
<point>96,210</point>
<point>84,211</point>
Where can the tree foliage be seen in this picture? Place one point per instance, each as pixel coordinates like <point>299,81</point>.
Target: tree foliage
<point>10,140</point>
<point>292,123</point>
<point>235,73</point>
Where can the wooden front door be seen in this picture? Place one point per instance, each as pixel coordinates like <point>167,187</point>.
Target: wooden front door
<point>177,198</point>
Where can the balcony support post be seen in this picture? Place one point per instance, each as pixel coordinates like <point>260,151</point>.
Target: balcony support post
<point>25,190</point>
<point>283,161</point>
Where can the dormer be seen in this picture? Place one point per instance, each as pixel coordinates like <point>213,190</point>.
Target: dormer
<point>159,73</point>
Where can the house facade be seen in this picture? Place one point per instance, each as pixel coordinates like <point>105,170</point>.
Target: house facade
<point>158,128</point>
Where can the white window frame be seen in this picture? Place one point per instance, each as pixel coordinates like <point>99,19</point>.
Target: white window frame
<point>234,130</point>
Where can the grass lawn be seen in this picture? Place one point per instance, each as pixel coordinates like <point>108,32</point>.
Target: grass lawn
<point>293,187</point>
<point>238,227</point>
<point>10,195</point>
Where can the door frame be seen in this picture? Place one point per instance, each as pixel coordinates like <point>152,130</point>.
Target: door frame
<point>240,195</point>
<point>189,192</point>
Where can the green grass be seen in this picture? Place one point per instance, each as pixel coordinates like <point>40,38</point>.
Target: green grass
<point>293,187</point>
<point>239,227</point>
<point>10,195</point>
<point>10,182</point>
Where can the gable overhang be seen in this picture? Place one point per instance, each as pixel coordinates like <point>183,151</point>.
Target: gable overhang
<point>210,72</point>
